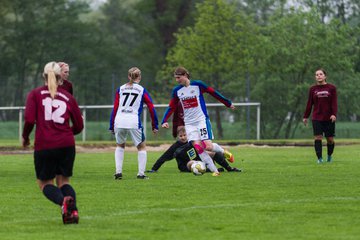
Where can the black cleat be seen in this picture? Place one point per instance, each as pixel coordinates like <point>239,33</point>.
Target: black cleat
<point>118,176</point>
<point>234,169</point>
<point>142,177</point>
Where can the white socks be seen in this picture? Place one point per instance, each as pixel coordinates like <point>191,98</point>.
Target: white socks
<point>205,157</point>
<point>217,148</point>
<point>119,159</point>
<point>142,158</point>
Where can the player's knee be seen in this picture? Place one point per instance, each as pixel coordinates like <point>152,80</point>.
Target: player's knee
<point>121,145</point>
<point>318,137</point>
<point>188,165</point>
<point>199,148</point>
<point>141,147</point>
<point>330,140</point>
<point>208,146</point>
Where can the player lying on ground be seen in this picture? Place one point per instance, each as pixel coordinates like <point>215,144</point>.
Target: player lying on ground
<point>183,152</point>
<point>197,122</point>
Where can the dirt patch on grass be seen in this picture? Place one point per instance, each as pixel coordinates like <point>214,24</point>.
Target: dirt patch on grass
<point>98,148</point>
<point>110,147</point>
<point>107,148</point>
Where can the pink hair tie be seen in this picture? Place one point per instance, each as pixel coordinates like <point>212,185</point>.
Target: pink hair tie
<point>62,64</point>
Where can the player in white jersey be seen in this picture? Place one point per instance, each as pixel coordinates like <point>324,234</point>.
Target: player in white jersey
<point>126,120</point>
<point>197,122</point>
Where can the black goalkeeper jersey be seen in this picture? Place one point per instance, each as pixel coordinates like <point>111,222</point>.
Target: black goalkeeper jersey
<point>184,154</point>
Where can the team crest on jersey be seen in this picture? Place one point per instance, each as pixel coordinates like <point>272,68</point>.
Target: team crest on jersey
<point>322,94</point>
<point>189,102</point>
<point>191,153</point>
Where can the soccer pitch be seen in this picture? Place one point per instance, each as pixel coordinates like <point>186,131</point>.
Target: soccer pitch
<point>282,193</point>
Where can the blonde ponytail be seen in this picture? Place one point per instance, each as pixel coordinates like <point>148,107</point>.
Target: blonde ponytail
<point>134,74</point>
<point>52,84</point>
<point>51,74</point>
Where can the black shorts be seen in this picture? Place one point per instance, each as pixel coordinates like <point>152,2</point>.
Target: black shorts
<point>324,127</point>
<point>52,162</point>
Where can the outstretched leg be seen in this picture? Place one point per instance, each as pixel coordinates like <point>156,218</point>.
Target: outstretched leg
<point>205,157</point>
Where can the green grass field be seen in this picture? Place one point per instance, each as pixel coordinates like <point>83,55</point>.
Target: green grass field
<point>282,193</point>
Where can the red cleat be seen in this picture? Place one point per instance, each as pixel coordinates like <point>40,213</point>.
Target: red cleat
<point>75,216</point>
<point>69,214</point>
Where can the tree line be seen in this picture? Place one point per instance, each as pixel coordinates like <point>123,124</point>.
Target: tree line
<point>251,50</point>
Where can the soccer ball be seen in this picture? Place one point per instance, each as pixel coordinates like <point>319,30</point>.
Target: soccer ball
<point>198,168</point>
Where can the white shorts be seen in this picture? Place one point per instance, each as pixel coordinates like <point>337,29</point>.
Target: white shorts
<point>200,130</point>
<point>137,135</point>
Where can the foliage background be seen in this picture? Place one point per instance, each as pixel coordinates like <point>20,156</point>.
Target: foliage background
<point>260,51</point>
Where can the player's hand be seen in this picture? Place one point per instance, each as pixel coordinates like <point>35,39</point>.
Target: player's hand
<point>232,106</point>
<point>305,121</point>
<point>165,125</point>
<point>333,118</point>
<point>25,142</point>
<point>112,131</point>
<point>155,131</point>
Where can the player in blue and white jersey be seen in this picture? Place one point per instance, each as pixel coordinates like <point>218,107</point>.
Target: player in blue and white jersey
<point>197,122</point>
<point>126,119</point>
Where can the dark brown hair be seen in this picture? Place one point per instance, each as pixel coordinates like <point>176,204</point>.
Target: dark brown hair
<point>323,70</point>
<point>182,71</point>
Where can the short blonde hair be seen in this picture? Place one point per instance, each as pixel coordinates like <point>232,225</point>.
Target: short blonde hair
<point>51,74</point>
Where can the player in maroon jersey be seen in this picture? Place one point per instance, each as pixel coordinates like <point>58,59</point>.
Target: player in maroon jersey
<point>64,82</point>
<point>323,99</point>
<point>51,109</point>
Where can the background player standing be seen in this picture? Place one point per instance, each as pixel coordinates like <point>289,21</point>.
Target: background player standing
<point>197,122</point>
<point>126,119</point>
<point>64,82</point>
<point>51,109</point>
<point>323,99</point>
